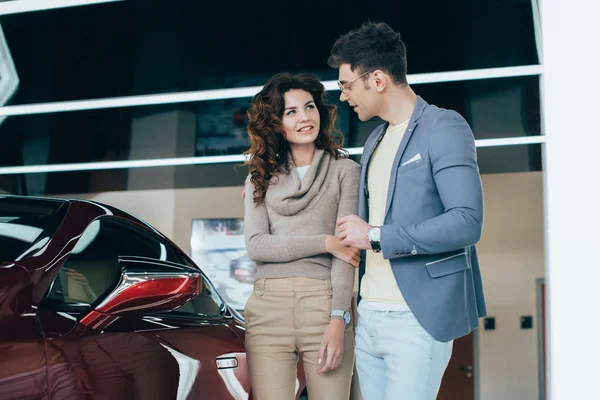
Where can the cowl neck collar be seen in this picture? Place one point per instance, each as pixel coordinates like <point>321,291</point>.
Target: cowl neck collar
<point>287,195</point>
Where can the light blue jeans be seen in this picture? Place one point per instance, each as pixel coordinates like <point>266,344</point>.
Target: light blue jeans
<point>396,359</point>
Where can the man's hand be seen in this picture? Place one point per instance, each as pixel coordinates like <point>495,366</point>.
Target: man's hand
<point>353,232</point>
<point>332,346</point>
<point>334,246</point>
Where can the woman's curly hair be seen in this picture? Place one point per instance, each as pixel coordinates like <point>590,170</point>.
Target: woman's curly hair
<point>268,154</point>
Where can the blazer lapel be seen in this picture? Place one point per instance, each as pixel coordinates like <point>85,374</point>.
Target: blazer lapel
<point>414,121</point>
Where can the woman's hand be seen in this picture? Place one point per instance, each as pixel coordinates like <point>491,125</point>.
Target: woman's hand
<point>334,246</point>
<point>332,346</point>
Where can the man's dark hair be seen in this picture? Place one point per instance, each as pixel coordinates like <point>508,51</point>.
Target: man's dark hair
<point>375,45</point>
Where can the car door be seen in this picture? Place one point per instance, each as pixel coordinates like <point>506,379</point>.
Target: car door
<point>139,355</point>
<point>211,333</point>
<point>22,355</point>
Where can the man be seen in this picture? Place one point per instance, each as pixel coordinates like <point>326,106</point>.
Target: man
<point>420,215</point>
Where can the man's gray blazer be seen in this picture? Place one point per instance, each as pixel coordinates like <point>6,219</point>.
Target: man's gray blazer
<point>433,218</point>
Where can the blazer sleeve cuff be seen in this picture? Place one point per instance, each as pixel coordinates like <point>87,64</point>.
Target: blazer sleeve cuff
<point>394,245</point>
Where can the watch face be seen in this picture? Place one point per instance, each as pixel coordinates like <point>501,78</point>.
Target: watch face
<point>374,234</point>
<point>345,315</point>
<point>347,318</point>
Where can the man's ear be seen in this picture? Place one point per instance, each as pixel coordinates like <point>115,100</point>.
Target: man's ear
<point>381,80</point>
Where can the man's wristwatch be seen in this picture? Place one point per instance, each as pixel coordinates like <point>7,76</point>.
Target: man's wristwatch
<point>342,314</point>
<point>374,236</point>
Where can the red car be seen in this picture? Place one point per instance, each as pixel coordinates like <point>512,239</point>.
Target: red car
<point>96,304</point>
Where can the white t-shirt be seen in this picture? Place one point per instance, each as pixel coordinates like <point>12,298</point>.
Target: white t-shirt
<point>379,289</point>
<point>302,171</point>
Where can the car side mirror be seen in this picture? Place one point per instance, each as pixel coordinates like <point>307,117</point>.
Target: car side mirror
<point>145,285</point>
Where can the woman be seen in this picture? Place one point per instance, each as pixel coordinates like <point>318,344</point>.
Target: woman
<point>300,183</point>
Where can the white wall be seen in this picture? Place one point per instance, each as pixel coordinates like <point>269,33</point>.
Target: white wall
<point>156,207</point>
<point>511,254</point>
<point>570,32</point>
<point>223,202</point>
<point>172,211</point>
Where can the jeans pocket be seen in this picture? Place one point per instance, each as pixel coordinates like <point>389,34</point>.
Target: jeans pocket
<point>397,314</point>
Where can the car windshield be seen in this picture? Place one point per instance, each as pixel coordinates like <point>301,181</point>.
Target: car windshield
<point>22,220</point>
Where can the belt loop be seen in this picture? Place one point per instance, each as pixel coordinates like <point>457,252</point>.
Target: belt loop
<point>329,288</point>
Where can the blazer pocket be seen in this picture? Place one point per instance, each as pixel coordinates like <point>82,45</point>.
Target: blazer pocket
<point>448,265</point>
<point>402,169</point>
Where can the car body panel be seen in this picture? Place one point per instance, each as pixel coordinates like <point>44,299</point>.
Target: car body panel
<point>46,352</point>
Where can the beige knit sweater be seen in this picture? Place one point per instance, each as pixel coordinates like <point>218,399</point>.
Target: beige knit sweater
<point>285,234</point>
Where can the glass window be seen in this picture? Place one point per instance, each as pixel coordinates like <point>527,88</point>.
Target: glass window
<point>61,184</point>
<point>91,269</point>
<point>494,108</point>
<point>221,125</point>
<point>72,53</point>
<point>142,47</point>
<point>22,221</point>
<point>508,159</point>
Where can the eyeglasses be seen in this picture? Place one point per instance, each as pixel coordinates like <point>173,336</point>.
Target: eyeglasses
<point>344,87</point>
